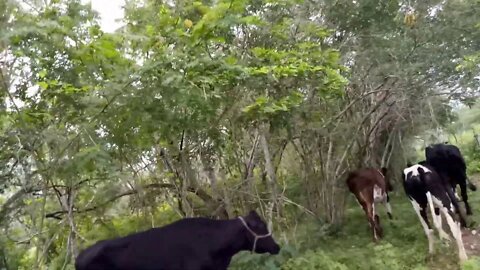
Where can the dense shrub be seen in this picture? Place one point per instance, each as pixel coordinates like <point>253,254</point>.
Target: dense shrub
<point>312,260</point>
<point>248,261</point>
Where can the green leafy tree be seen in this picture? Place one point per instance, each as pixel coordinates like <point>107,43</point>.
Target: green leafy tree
<point>202,108</point>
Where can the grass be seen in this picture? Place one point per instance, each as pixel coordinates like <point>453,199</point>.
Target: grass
<point>404,245</point>
<point>404,242</point>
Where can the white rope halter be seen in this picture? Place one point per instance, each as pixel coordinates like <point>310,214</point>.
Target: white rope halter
<point>254,233</point>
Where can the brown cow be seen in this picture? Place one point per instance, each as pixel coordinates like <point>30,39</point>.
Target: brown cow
<point>371,186</point>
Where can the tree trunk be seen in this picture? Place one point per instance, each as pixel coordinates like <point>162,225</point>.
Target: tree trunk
<point>272,179</point>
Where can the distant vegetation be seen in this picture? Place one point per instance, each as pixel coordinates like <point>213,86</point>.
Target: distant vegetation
<point>463,131</point>
<point>467,136</point>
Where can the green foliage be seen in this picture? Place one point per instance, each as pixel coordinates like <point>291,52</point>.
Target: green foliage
<point>470,64</point>
<point>245,260</point>
<point>311,260</point>
<point>471,264</point>
<point>266,108</point>
<point>465,134</point>
<point>403,247</point>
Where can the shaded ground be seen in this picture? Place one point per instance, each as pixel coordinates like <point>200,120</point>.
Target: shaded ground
<point>404,246</point>
<point>471,240</point>
<point>407,239</point>
<point>471,236</point>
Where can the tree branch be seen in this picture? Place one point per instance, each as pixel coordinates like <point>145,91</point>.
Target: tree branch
<point>202,194</point>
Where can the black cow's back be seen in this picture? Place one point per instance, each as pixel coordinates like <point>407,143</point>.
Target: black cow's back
<point>446,158</point>
<point>176,246</point>
<point>99,255</point>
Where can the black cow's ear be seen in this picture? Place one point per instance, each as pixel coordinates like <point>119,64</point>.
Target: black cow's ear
<point>421,171</point>
<point>253,213</point>
<point>252,218</point>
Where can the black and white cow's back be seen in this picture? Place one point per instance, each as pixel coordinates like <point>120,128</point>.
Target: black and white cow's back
<point>425,188</point>
<point>416,187</point>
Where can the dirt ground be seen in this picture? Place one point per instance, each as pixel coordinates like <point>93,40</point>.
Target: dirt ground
<point>471,236</point>
<point>471,241</point>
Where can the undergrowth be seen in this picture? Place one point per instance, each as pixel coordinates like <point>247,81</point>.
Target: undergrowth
<point>403,247</point>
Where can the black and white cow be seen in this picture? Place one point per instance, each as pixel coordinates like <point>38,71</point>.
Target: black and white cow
<point>424,187</point>
<point>448,161</point>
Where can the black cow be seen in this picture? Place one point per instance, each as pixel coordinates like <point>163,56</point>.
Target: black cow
<point>424,187</point>
<point>449,163</point>
<point>190,243</point>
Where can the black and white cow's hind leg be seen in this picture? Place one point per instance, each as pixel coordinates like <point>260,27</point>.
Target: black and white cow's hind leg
<point>421,211</point>
<point>437,218</point>
<point>448,212</point>
<point>456,232</point>
<point>441,232</point>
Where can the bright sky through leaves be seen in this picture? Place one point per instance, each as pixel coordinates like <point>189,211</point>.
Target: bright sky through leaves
<point>109,11</point>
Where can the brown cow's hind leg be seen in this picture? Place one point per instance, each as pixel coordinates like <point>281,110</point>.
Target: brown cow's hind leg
<point>368,208</point>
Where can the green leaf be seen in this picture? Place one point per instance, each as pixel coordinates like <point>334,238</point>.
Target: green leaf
<point>42,73</point>
<point>150,30</point>
<point>43,85</point>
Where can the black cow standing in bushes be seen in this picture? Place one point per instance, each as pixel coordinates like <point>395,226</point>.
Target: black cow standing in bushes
<point>187,244</point>
<point>448,162</point>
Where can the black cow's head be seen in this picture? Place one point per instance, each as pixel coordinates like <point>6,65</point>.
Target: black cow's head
<point>258,235</point>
